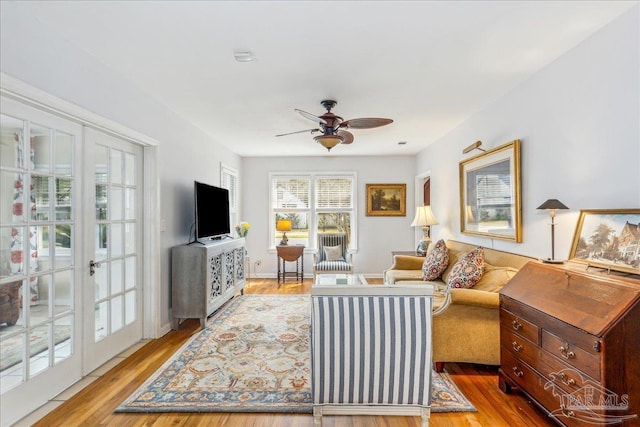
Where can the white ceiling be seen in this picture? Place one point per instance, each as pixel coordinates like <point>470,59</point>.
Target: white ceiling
<point>426,64</point>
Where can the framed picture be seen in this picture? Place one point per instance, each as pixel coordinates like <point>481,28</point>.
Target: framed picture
<point>608,239</point>
<point>490,203</point>
<point>386,199</point>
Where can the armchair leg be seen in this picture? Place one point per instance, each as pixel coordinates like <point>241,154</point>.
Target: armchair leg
<point>438,366</point>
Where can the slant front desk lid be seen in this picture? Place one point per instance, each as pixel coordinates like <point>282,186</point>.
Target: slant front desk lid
<point>589,301</point>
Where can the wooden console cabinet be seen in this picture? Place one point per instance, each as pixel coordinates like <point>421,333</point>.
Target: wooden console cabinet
<point>204,277</point>
<point>571,342</point>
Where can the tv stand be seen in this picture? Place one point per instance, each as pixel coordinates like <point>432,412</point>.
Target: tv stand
<point>205,276</point>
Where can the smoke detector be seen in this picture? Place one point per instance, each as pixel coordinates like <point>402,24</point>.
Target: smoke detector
<point>243,56</point>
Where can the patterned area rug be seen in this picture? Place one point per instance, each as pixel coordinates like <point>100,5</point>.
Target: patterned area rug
<point>254,356</point>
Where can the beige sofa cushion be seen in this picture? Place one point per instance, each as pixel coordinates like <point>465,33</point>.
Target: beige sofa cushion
<point>393,276</point>
<point>494,278</point>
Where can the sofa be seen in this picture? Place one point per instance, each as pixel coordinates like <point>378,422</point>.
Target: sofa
<point>466,324</point>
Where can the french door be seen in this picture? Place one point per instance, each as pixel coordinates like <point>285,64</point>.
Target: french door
<point>113,246</point>
<point>40,258</point>
<point>70,253</point>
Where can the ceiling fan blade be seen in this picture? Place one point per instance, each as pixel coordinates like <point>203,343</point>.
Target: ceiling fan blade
<point>366,123</point>
<point>347,136</point>
<point>300,131</point>
<point>311,117</point>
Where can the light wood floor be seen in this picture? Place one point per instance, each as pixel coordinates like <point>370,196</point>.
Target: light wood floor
<point>94,405</point>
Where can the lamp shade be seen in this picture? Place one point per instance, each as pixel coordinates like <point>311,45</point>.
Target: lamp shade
<point>328,141</point>
<point>552,204</point>
<point>283,225</point>
<point>424,216</point>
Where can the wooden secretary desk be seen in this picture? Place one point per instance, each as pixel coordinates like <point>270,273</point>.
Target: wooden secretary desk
<point>570,341</point>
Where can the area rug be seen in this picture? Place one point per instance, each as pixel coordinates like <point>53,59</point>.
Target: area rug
<point>253,356</point>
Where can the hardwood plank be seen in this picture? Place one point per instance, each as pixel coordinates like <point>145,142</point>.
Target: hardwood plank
<point>95,404</point>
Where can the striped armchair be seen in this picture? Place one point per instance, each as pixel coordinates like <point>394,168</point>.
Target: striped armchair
<point>371,350</point>
<point>323,264</point>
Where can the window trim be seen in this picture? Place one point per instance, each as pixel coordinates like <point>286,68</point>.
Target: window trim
<point>312,210</point>
<point>234,208</point>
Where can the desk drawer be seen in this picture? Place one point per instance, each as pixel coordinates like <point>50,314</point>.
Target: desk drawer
<point>562,374</point>
<point>518,345</point>
<point>539,388</point>
<point>569,353</point>
<point>517,324</point>
<point>527,379</point>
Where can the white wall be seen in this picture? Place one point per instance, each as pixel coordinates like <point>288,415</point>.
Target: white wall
<point>40,57</point>
<point>376,235</point>
<point>578,120</point>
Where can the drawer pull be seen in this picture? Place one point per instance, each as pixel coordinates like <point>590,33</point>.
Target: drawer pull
<point>566,380</point>
<point>517,371</point>
<point>566,353</point>
<point>516,325</point>
<point>516,346</point>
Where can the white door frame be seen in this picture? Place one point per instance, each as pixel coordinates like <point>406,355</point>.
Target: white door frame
<point>25,93</point>
<point>418,186</point>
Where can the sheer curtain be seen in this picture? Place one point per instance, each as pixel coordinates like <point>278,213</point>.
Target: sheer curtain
<point>18,241</point>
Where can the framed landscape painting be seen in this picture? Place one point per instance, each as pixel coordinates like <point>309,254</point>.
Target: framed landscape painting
<point>490,203</point>
<point>386,199</point>
<point>608,239</point>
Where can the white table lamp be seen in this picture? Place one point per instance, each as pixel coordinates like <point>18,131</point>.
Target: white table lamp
<point>424,218</point>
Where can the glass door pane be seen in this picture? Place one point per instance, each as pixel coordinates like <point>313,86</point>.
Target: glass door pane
<point>116,243</point>
<point>37,267</point>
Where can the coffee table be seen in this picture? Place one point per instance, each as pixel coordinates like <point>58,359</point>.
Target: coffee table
<point>340,280</point>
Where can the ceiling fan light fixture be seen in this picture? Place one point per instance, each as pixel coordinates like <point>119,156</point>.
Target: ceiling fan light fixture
<point>328,141</point>
<point>333,127</point>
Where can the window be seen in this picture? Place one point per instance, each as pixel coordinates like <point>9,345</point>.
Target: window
<point>229,180</point>
<point>313,203</point>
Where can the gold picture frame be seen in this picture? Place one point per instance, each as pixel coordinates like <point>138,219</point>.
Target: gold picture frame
<point>386,199</point>
<point>490,200</point>
<point>608,238</point>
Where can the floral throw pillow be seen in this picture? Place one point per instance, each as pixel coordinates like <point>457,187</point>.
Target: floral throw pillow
<point>468,270</point>
<point>436,261</point>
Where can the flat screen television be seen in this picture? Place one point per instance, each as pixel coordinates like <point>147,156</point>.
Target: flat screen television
<point>212,211</point>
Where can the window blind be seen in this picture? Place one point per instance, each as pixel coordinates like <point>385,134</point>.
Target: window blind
<point>334,193</point>
<point>290,193</point>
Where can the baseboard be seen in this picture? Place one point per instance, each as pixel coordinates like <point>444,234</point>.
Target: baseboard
<point>164,329</point>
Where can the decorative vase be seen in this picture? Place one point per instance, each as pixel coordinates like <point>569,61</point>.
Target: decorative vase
<point>242,229</point>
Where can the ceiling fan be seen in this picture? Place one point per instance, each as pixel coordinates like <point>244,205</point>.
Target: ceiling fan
<point>333,127</point>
